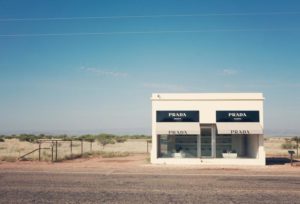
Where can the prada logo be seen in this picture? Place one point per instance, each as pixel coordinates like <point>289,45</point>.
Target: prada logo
<point>177,132</point>
<point>237,114</point>
<point>240,132</point>
<point>177,114</point>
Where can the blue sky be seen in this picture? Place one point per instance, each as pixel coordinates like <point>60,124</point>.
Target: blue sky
<point>88,75</point>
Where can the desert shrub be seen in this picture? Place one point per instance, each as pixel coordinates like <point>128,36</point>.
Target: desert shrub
<point>33,138</point>
<point>76,156</point>
<point>114,154</point>
<point>28,159</point>
<point>105,141</point>
<point>148,160</point>
<point>73,156</point>
<point>288,145</point>
<point>89,138</point>
<point>136,136</point>
<point>8,158</point>
<point>120,139</point>
<point>28,138</point>
<point>2,139</point>
<point>105,136</point>
<point>63,137</point>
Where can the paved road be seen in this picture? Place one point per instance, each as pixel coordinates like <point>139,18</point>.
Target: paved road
<point>63,187</point>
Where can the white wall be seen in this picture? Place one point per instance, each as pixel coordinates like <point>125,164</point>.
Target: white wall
<point>208,104</point>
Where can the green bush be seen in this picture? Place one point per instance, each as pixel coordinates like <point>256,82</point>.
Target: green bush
<point>136,136</point>
<point>104,141</point>
<point>28,138</point>
<point>91,138</point>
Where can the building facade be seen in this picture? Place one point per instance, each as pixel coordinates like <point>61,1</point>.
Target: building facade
<point>208,128</point>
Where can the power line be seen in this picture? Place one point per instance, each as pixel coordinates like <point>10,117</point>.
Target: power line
<point>148,16</point>
<point>140,32</point>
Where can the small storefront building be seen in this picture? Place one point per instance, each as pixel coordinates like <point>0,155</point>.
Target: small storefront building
<point>208,128</point>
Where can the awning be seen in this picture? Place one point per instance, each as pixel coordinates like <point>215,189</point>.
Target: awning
<point>178,128</point>
<point>239,128</point>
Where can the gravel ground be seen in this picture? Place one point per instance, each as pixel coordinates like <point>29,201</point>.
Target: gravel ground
<point>110,187</point>
<point>133,180</point>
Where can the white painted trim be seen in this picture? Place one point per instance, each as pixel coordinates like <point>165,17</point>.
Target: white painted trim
<point>211,161</point>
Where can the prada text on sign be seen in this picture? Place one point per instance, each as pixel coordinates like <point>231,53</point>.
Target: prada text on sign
<point>177,116</point>
<point>237,116</point>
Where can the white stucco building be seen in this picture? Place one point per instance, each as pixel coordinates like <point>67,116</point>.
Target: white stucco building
<point>208,128</point>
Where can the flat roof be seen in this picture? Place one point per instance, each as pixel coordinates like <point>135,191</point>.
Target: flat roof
<point>207,96</point>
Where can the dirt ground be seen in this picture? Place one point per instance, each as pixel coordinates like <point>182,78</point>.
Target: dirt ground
<point>138,163</point>
<point>133,179</point>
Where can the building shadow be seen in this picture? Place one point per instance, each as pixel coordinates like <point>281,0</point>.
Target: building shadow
<point>279,160</point>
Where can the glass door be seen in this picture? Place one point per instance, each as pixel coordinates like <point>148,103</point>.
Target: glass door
<point>206,142</point>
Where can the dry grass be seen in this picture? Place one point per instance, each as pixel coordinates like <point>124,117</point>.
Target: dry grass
<point>114,154</point>
<point>102,154</point>
<point>8,158</point>
<point>273,146</point>
<point>13,148</point>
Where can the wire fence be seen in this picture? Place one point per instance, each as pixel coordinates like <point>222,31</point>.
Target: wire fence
<point>58,150</point>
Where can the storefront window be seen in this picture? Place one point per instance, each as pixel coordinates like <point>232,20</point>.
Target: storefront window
<point>207,145</point>
<point>178,146</point>
<point>236,146</point>
<point>223,145</point>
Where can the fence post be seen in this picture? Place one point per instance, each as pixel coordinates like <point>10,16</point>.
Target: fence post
<point>56,150</point>
<point>71,149</point>
<point>39,151</point>
<point>81,147</point>
<point>52,151</point>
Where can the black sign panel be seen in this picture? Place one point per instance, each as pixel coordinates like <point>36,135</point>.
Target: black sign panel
<point>237,116</point>
<point>177,116</point>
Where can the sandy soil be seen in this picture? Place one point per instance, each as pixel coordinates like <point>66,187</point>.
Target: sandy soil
<point>136,163</point>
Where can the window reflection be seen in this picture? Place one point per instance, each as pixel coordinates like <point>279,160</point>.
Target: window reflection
<point>178,146</point>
